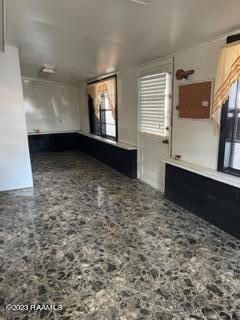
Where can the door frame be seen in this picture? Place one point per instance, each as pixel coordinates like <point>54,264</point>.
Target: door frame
<point>144,68</point>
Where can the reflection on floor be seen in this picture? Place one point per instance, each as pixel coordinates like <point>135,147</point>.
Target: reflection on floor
<point>107,247</point>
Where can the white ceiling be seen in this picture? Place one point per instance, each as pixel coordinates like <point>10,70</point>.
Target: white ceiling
<point>86,38</point>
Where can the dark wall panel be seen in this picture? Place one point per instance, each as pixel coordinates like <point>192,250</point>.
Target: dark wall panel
<point>214,201</point>
<point>53,142</point>
<point>123,160</point>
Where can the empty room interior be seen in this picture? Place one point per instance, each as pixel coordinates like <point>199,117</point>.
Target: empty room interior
<point>119,160</point>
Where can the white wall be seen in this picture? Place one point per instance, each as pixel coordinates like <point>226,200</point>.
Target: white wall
<point>196,140</point>
<point>50,106</point>
<point>128,106</point>
<point>84,117</point>
<point>15,167</point>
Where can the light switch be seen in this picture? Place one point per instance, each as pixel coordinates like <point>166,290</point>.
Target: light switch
<point>205,104</point>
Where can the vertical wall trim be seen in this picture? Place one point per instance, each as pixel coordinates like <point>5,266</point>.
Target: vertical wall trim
<point>138,127</point>
<point>116,105</point>
<point>2,26</point>
<point>172,107</point>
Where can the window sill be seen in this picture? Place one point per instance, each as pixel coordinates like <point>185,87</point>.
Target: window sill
<point>33,133</point>
<point>233,172</point>
<point>209,173</point>
<point>109,141</point>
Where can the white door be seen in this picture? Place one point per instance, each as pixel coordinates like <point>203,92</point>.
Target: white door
<point>154,85</point>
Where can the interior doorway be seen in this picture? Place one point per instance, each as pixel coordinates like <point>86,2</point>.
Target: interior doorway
<point>154,122</point>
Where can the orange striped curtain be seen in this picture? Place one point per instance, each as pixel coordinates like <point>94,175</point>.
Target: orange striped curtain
<point>228,72</point>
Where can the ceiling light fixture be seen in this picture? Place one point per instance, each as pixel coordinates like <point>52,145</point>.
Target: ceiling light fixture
<point>46,71</point>
<point>143,2</point>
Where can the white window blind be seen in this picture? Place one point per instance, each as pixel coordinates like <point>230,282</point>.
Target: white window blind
<point>154,99</point>
<point>234,116</point>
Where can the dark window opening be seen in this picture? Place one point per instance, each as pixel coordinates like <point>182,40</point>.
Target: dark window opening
<point>229,155</point>
<point>102,107</point>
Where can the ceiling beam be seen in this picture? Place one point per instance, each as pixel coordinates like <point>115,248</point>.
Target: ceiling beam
<point>2,25</point>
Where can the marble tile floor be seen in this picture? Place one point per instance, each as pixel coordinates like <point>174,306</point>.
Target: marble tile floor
<point>106,247</point>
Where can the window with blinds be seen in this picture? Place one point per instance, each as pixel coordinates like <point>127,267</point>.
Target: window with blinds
<point>234,119</point>
<point>154,103</point>
<point>230,132</point>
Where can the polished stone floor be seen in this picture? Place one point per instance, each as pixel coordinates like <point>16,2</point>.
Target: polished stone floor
<point>109,248</point>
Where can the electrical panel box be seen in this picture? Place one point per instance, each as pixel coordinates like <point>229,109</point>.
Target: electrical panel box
<point>195,100</point>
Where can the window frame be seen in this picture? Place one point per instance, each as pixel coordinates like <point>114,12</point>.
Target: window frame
<point>105,136</point>
<point>103,123</point>
<point>224,130</point>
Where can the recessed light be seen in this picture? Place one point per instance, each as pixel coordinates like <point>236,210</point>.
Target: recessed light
<point>143,2</point>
